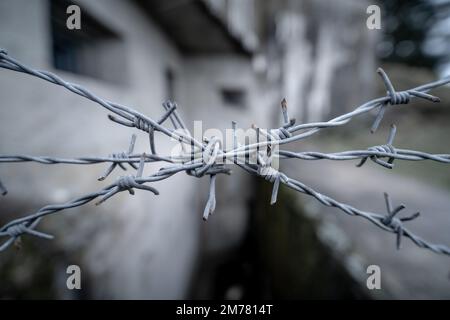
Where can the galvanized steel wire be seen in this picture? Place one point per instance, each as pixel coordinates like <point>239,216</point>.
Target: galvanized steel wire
<point>212,157</point>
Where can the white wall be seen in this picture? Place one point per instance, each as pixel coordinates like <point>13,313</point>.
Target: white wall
<point>133,247</point>
<point>328,62</point>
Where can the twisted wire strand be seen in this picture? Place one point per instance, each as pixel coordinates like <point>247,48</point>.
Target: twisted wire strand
<point>134,158</point>
<point>385,222</point>
<point>374,153</point>
<point>417,92</point>
<point>395,225</point>
<point>401,154</point>
<point>133,116</point>
<point>125,112</point>
<point>211,152</point>
<point>126,183</point>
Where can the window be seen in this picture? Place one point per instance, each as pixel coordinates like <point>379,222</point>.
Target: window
<point>170,84</point>
<point>94,50</point>
<point>234,97</point>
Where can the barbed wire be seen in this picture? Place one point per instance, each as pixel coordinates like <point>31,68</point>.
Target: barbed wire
<point>373,153</point>
<point>208,158</point>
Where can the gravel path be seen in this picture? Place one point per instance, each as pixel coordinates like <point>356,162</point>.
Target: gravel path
<point>408,273</point>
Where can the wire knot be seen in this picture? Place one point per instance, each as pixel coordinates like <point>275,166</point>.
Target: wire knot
<point>129,183</point>
<point>273,176</point>
<point>269,173</point>
<point>209,157</point>
<point>121,156</point>
<point>126,182</point>
<point>396,98</point>
<point>281,133</point>
<point>385,148</point>
<point>16,230</point>
<point>142,124</point>
<point>396,224</point>
<point>401,97</point>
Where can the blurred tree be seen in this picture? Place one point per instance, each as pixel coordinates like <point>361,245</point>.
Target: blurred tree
<point>416,32</point>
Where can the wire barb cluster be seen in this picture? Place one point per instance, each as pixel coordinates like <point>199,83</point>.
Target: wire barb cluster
<point>120,155</point>
<point>207,157</point>
<point>402,97</point>
<point>386,148</point>
<point>396,223</point>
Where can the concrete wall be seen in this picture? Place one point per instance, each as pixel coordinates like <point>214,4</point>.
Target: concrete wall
<point>147,246</point>
<point>328,61</point>
<point>131,247</point>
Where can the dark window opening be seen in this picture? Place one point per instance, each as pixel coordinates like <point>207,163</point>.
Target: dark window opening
<point>94,50</point>
<point>234,97</point>
<point>170,84</point>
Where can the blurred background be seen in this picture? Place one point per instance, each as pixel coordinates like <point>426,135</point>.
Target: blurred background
<point>224,60</point>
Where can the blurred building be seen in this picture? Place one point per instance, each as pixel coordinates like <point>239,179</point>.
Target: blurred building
<point>318,54</point>
<point>221,60</point>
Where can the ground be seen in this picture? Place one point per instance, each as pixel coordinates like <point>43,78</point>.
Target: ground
<point>410,272</point>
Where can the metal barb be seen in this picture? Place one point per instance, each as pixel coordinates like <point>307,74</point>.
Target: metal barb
<point>211,203</point>
<point>396,97</point>
<point>123,156</point>
<point>285,111</point>
<point>128,183</point>
<point>396,224</point>
<point>211,152</point>
<point>386,148</point>
<point>14,232</point>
